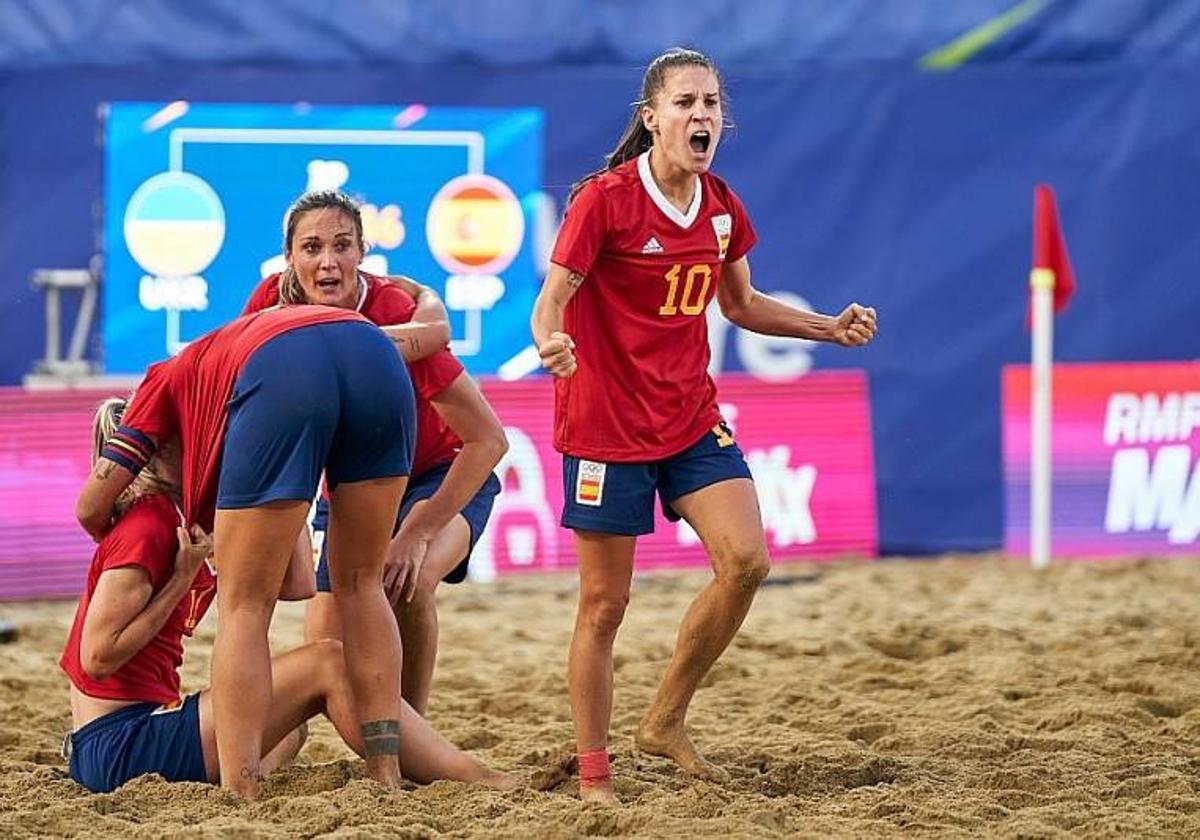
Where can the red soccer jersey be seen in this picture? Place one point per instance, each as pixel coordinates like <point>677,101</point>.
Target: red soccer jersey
<point>187,396</point>
<point>383,303</point>
<point>641,391</point>
<point>143,537</point>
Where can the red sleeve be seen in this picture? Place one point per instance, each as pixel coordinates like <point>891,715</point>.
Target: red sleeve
<point>433,374</point>
<point>264,296</point>
<point>742,237</point>
<point>583,231</point>
<point>387,303</point>
<point>141,538</point>
<point>152,412</point>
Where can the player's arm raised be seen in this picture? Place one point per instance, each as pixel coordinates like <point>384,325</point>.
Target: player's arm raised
<point>554,346</point>
<point>751,310</point>
<point>429,329</point>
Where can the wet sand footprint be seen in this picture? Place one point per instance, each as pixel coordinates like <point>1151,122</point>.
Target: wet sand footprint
<point>869,733</point>
<point>811,776</point>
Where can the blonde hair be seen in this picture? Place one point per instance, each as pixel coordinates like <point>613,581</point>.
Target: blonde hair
<point>104,425</point>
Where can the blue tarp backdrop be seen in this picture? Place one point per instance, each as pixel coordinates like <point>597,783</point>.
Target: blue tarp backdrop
<point>867,176</point>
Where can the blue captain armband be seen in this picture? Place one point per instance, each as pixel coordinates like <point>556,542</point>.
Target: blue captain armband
<point>129,448</point>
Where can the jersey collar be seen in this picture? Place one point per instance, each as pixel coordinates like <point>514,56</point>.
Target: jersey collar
<point>362,293</point>
<point>656,195</point>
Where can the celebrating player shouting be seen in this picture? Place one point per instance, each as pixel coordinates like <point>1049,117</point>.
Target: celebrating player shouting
<point>620,322</point>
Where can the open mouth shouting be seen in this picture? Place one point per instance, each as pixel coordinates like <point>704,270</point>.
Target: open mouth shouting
<point>329,285</point>
<point>700,140</point>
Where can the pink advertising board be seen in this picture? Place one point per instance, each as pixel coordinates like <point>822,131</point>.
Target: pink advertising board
<point>1126,459</point>
<point>808,444</point>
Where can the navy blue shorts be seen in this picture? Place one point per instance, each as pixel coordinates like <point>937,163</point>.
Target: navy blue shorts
<point>476,512</point>
<point>139,739</point>
<point>619,498</point>
<point>332,396</point>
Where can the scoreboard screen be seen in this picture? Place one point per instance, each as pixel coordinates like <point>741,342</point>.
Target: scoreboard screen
<point>195,195</point>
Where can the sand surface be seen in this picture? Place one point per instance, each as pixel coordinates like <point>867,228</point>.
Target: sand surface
<point>953,697</point>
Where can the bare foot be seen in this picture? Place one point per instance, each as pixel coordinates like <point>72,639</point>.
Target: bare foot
<point>599,792</point>
<point>673,743</point>
<point>497,780</point>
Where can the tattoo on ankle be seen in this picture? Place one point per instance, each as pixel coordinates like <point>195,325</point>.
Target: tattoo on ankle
<point>381,737</point>
<point>251,773</point>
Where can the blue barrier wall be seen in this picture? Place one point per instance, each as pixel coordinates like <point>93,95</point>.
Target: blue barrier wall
<point>867,177</point>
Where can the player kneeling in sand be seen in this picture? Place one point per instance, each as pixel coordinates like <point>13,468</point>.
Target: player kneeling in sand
<point>148,586</point>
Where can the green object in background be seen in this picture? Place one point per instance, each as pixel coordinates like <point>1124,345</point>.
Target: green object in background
<point>963,48</point>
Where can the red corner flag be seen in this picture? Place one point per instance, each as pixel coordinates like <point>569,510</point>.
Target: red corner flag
<point>1051,265</point>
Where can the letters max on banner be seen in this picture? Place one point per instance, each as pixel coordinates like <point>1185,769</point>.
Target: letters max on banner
<point>1126,459</point>
<point>808,444</point>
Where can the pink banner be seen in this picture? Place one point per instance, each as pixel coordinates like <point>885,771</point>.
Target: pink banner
<point>808,444</point>
<point>44,440</point>
<point>1125,442</point>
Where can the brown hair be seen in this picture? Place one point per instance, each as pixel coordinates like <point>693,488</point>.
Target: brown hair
<point>290,290</point>
<point>104,425</point>
<point>637,138</point>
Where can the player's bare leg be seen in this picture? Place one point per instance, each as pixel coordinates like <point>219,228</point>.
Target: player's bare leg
<point>311,680</point>
<point>726,517</point>
<point>361,515</point>
<point>251,551</point>
<point>605,570</point>
<point>321,619</point>
<point>418,618</point>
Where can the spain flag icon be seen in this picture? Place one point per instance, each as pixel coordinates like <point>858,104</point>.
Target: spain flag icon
<point>589,490</point>
<point>475,225</point>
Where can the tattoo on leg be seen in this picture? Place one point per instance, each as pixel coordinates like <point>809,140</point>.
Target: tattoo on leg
<point>381,737</point>
<point>251,773</point>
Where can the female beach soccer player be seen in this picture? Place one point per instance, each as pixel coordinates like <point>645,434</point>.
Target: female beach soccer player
<point>459,439</point>
<point>645,245</point>
<point>147,587</point>
<point>261,406</point>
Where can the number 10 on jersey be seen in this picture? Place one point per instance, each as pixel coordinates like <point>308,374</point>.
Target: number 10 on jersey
<point>689,301</point>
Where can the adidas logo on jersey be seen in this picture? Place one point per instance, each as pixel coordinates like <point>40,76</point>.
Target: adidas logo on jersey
<point>652,246</point>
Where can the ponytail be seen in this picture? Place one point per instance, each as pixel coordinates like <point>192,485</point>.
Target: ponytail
<point>636,138</point>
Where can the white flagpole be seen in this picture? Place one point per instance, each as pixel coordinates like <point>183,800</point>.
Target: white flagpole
<point>1041,284</point>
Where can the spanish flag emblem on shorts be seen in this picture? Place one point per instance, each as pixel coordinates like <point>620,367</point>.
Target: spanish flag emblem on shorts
<point>589,484</point>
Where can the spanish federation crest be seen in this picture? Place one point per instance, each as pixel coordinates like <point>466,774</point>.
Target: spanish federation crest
<point>722,227</point>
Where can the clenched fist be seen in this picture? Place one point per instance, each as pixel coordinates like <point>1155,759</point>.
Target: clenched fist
<point>855,326</point>
<point>558,354</point>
